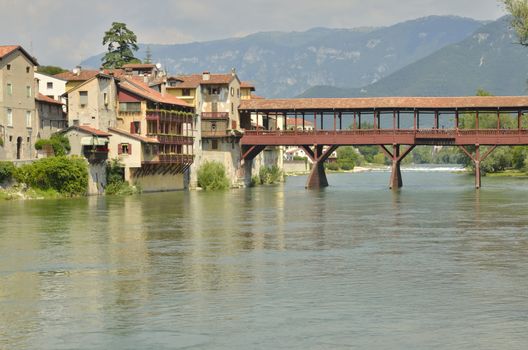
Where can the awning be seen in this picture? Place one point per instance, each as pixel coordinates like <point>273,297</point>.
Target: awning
<point>94,141</point>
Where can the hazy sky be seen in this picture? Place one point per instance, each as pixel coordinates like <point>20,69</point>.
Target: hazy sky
<point>64,32</point>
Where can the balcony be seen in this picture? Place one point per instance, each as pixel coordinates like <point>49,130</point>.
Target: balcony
<point>169,116</point>
<point>95,154</point>
<point>181,159</point>
<point>215,115</point>
<point>173,139</point>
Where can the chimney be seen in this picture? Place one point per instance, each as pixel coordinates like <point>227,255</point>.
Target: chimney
<point>206,76</point>
<point>101,70</point>
<point>145,78</point>
<point>233,71</point>
<point>77,70</point>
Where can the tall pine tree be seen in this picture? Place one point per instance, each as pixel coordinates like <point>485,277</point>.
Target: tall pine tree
<point>122,43</point>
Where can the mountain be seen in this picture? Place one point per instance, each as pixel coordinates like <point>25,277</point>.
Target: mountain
<point>286,64</point>
<point>489,59</point>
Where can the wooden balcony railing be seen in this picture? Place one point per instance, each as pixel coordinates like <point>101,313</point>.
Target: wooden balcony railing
<point>173,139</point>
<point>183,159</point>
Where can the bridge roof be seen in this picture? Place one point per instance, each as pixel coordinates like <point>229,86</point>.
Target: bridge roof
<point>386,103</point>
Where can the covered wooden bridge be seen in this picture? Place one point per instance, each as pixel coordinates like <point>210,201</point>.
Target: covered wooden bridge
<point>396,124</point>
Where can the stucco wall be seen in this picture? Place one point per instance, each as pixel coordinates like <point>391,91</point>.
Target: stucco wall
<point>158,182</point>
<point>96,112</point>
<point>56,91</point>
<point>20,76</point>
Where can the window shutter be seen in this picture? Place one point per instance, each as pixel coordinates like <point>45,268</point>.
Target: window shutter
<point>132,128</point>
<point>120,148</point>
<point>129,148</point>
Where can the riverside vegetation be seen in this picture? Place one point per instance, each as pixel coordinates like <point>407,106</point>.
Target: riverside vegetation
<point>46,178</point>
<point>212,177</point>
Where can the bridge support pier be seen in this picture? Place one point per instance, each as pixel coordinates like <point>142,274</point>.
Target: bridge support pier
<point>396,156</point>
<point>477,160</point>
<point>317,178</point>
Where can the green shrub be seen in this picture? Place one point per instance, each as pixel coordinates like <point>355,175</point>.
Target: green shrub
<point>379,159</point>
<point>115,173</point>
<point>68,176</point>
<point>59,143</point>
<point>7,169</point>
<point>270,175</point>
<point>255,180</point>
<point>332,166</point>
<point>212,177</point>
<point>347,165</point>
<point>115,183</point>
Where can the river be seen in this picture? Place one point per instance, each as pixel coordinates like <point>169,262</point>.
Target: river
<point>437,265</point>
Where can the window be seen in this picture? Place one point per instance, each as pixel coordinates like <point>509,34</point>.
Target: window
<point>28,119</point>
<point>186,92</point>
<point>213,90</point>
<point>214,144</point>
<point>124,148</point>
<point>105,98</point>
<point>232,91</point>
<point>8,67</point>
<point>28,91</point>
<point>213,126</point>
<point>238,93</point>
<point>10,89</point>
<point>131,107</point>
<point>49,85</point>
<point>9,117</point>
<point>83,98</point>
<point>135,128</point>
<point>27,69</point>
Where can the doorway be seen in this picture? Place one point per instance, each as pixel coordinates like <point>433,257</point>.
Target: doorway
<point>19,148</point>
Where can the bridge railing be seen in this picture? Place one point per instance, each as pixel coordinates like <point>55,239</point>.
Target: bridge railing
<point>447,133</point>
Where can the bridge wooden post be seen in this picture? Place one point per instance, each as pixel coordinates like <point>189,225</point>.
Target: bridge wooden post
<point>396,156</point>
<point>317,178</point>
<point>478,159</point>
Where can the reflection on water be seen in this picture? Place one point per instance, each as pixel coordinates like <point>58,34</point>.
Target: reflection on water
<point>435,265</point>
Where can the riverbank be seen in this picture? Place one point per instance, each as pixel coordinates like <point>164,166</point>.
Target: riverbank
<point>25,193</point>
<point>509,173</point>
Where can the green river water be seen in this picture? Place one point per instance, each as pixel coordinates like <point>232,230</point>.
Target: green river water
<point>437,265</point>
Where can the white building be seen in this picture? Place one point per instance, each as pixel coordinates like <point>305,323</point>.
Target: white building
<point>51,86</point>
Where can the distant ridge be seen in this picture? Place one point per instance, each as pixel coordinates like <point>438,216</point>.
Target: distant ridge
<point>488,59</point>
<point>287,64</point>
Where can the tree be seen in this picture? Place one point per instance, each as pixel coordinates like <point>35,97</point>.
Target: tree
<point>50,70</point>
<point>122,42</point>
<point>519,11</point>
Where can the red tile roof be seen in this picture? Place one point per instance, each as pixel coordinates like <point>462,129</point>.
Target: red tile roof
<point>88,129</point>
<point>133,136</point>
<point>194,80</point>
<point>87,74</point>
<point>46,99</point>
<point>387,103</point>
<point>138,87</point>
<point>247,85</point>
<point>139,66</point>
<point>7,49</point>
